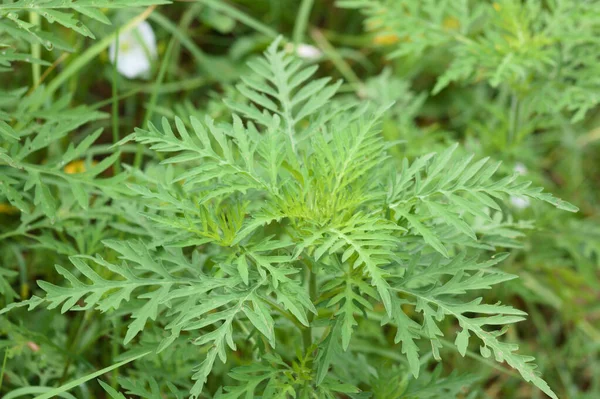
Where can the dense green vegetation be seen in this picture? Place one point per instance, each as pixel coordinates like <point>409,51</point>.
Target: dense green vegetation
<point>299,199</point>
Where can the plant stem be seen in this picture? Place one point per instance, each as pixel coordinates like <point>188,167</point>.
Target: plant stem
<point>284,313</point>
<point>36,51</point>
<point>184,85</point>
<point>514,119</point>
<point>302,21</point>
<point>338,61</point>
<point>241,17</point>
<point>115,101</point>
<point>203,61</point>
<point>64,388</point>
<point>73,345</point>
<point>311,281</point>
<point>3,366</point>
<point>115,349</point>
<point>159,80</point>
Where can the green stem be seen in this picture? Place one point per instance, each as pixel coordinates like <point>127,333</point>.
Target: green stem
<point>306,338</point>
<point>64,388</point>
<point>159,80</point>
<point>302,21</point>
<point>338,61</point>
<point>246,332</point>
<point>172,87</point>
<point>202,60</point>
<point>36,50</point>
<point>74,340</point>
<point>514,120</point>
<point>115,102</point>
<point>241,17</point>
<point>3,367</point>
<point>115,349</point>
<point>311,282</point>
<point>283,312</point>
<point>184,26</point>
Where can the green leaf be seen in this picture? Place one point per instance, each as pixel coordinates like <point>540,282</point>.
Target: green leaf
<point>242,267</point>
<point>462,341</point>
<point>111,391</point>
<point>327,350</point>
<point>429,237</point>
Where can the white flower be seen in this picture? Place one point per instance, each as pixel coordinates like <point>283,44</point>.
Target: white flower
<point>304,51</point>
<point>519,202</point>
<point>520,168</point>
<point>137,49</point>
<point>308,52</point>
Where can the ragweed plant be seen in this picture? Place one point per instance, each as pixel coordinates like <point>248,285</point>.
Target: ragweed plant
<point>284,221</point>
<point>290,237</point>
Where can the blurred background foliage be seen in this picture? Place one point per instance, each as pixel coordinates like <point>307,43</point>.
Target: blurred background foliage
<point>517,81</point>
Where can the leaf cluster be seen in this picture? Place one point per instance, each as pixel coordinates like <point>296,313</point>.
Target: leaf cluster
<point>292,219</point>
